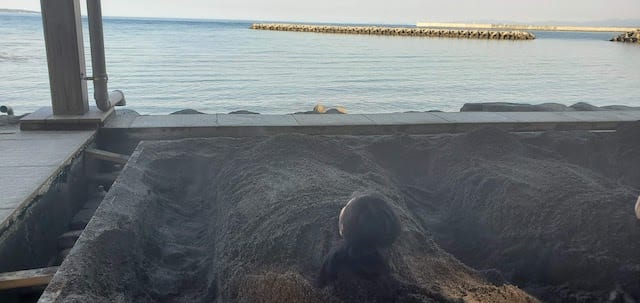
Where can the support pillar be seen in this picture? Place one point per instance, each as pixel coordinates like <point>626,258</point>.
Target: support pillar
<point>65,56</point>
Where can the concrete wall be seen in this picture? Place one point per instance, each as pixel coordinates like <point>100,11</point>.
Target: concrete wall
<point>124,132</point>
<point>525,27</point>
<point>31,240</point>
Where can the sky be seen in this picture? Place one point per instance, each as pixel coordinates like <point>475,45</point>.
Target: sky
<point>368,11</point>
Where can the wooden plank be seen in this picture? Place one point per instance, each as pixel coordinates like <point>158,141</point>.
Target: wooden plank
<point>27,278</point>
<point>65,56</point>
<point>107,156</point>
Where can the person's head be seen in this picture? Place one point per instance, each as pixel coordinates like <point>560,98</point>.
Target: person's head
<point>369,221</point>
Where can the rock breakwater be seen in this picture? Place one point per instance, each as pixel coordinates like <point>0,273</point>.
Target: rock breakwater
<point>544,107</point>
<point>398,31</point>
<point>630,37</point>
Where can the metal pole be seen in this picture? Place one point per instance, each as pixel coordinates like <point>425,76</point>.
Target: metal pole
<point>104,100</point>
<point>6,109</point>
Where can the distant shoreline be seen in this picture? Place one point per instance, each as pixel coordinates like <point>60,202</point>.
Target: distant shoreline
<point>614,25</point>
<point>17,11</point>
<point>551,28</point>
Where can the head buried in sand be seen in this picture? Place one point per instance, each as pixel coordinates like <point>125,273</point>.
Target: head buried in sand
<point>358,268</point>
<point>367,225</point>
<point>368,221</point>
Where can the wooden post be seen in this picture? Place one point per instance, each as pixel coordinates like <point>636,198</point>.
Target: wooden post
<point>65,56</point>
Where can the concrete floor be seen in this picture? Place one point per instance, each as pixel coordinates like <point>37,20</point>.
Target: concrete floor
<point>30,161</point>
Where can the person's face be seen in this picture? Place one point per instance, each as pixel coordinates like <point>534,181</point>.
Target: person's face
<point>637,211</point>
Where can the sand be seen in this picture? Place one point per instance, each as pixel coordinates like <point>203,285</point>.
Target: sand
<point>487,217</point>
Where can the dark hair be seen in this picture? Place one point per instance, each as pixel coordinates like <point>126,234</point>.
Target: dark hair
<point>368,221</point>
<point>368,224</point>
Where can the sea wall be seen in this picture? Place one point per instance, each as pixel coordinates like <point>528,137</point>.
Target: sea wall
<point>398,31</point>
<point>631,37</point>
<point>544,107</point>
<point>525,27</point>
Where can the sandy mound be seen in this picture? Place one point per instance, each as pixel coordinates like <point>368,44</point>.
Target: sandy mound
<point>250,220</point>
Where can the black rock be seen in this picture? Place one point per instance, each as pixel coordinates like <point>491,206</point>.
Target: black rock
<point>584,107</point>
<point>620,107</point>
<point>187,112</point>
<point>512,107</point>
<point>243,112</point>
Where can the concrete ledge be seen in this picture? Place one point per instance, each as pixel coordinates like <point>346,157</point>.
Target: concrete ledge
<point>405,118</point>
<point>30,161</point>
<point>527,121</point>
<point>332,120</point>
<point>174,121</point>
<point>123,136</point>
<point>256,120</point>
<point>44,119</point>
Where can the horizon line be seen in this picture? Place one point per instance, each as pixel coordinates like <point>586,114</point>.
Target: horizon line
<point>511,22</point>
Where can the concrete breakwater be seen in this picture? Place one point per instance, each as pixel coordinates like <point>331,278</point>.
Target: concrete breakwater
<point>632,37</point>
<point>398,31</point>
<point>551,28</point>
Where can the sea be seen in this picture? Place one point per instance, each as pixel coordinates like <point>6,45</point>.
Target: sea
<point>219,66</point>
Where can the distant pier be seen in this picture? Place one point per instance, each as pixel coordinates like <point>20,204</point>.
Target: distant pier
<point>524,27</point>
<point>398,31</point>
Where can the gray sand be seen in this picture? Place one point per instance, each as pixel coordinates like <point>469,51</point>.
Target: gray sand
<point>250,220</point>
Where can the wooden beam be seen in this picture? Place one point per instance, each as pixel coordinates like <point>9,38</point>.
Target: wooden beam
<point>27,278</point>
<point>106,156</point>
<point>65,56</point>
<point>104,178</point>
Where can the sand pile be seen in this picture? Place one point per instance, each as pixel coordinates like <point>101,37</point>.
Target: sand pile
<point>250,220</point>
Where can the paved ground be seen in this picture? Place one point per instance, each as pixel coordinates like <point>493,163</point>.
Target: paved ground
<point>29,161</point>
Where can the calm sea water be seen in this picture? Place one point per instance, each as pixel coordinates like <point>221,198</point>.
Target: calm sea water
<point>220,66</point>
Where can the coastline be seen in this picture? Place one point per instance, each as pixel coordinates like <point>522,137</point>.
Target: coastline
<point>550,28</point>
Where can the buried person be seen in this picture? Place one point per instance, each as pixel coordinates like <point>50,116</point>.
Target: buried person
<point>357,268</point>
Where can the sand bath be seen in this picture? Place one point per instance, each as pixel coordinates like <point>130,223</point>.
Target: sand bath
<point>487,217</point>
